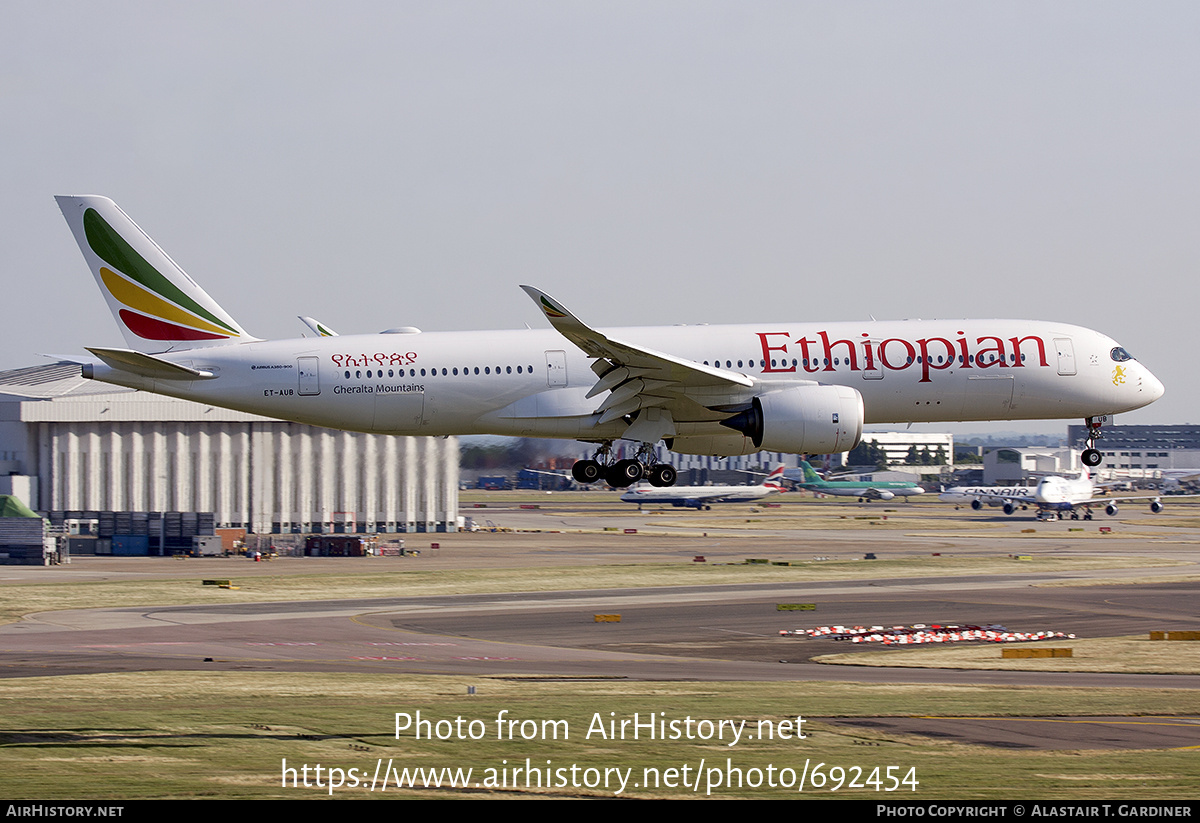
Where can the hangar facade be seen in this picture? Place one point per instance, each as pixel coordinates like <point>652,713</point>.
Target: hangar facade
<point>68,444</point>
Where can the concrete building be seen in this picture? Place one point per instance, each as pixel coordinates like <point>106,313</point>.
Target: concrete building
<point>1015,467</point>
<point>70,444</point>
<point>1143,451</point>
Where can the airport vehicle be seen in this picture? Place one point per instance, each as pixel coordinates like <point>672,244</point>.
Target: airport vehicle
<point>702,497</point>
<point>718,390</point>
<point>806,477</point>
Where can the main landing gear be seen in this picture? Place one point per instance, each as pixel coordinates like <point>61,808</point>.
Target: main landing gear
<point>1091,455</point>
<point>622,473</point>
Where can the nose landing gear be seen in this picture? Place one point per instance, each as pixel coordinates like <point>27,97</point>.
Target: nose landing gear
<point>1091,455</point>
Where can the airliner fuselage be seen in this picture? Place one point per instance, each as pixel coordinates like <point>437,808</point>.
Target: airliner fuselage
<point>528,383</point>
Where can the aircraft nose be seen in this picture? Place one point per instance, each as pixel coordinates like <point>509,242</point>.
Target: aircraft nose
<point>1152,386</point>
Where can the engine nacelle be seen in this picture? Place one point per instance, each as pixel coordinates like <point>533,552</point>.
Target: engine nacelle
<point>977,504</point>
<point>724,445</point>
<point>1009,508</point>
<point>803,420</point>
<point>1156,506</point>
<point>1111,509</point>
<point>886,495</point>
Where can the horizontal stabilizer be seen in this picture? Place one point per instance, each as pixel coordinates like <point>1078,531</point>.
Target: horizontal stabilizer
<point>147,365</point>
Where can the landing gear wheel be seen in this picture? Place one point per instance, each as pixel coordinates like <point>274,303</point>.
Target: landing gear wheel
<point>586,471</point>
<point>623,473</point>
<point>663,475</point>
<point>1091,456</point>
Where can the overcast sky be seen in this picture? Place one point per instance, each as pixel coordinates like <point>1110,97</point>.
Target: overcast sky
<point>377,164</point>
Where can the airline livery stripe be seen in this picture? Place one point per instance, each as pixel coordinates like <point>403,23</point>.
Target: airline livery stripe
<point>113,249</point>
<point>552,310</point>
<point>135,297</point>
<point>152,328</point>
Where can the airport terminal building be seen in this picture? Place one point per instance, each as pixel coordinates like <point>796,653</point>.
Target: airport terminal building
<point>69,444</point>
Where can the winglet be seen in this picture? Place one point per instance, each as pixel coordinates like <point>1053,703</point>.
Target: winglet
<point>317,327</point>
<point>566,323</point>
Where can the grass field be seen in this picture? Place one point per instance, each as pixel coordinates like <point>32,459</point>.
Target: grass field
<point>189,735</point>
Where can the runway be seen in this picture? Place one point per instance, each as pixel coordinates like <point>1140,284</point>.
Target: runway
<point>694,633</point>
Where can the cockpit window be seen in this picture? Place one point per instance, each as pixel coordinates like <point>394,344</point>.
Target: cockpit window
<point>1120,355</point>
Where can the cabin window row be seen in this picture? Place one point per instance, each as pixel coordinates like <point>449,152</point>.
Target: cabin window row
<point>839,361</point>
<point>369,374</point>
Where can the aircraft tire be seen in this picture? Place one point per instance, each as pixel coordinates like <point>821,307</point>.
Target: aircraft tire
<point>623,473</point>
<point>586,471</point>
<point>1092,457</point>
<point>663,475</point>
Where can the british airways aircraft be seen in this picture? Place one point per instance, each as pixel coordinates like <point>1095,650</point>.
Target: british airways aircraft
<point>702,497</point>
<point>717,390</point>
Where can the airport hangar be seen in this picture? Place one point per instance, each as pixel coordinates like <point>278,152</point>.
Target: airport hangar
<point>72,447</point>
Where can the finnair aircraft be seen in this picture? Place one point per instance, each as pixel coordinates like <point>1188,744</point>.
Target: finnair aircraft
<point>806,477</point>
<point>702,497</point>
<point>1056,494</point>
<point>718,390</point>
<point>977,496</point>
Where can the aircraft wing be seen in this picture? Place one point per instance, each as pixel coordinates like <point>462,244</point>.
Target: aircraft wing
<point>1113,498</point>
<point>639,378</point>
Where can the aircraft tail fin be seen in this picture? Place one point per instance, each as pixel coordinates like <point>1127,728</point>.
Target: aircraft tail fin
<point>775,479</point>
<point>156,305</point>
<point>810,474</point>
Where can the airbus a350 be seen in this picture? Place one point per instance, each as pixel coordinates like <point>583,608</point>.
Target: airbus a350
<point>795,387</point>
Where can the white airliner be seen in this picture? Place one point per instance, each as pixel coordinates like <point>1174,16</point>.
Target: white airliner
<point>702,497</point>
<point>1056,494</point>
<point>718,390</point>
<point>977,496</point>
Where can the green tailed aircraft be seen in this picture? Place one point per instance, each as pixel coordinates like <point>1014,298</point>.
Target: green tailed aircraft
<point>806,477</point>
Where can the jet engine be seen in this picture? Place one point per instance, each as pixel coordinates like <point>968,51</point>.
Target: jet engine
<point>1009,508</point>
<point>1111,510</point>
<point>976,504</point>
<point>725,445</point>
<point>886,495</point>
<point>806,419</point>
<point>1156,506</point>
